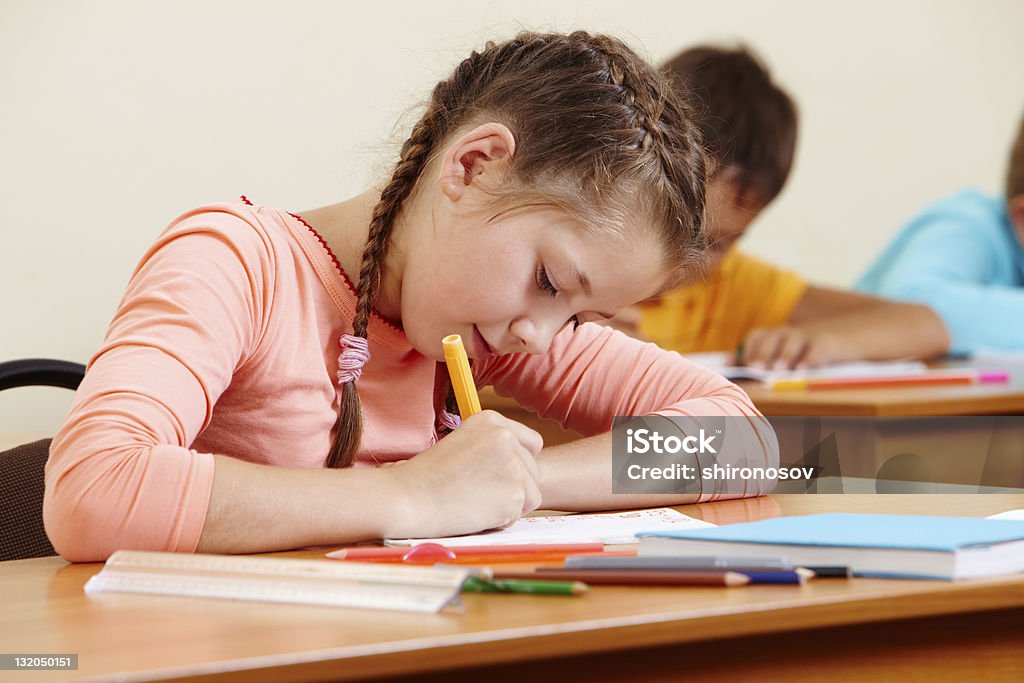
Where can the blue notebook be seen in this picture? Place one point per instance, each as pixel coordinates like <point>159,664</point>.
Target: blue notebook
<point>911,546</point>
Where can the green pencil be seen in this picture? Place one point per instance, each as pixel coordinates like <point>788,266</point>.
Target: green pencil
<point>475,584</point>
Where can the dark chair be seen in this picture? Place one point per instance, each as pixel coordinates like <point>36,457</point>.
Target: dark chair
<point>21,468</point>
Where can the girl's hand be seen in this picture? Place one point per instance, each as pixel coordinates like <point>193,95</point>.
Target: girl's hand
<point>481,476</point>
<point>788,347</point>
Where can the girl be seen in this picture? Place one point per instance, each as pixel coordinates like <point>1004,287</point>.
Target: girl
<point>552,181</point>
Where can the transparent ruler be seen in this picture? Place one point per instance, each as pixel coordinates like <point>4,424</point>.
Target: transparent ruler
<point>271,579</point>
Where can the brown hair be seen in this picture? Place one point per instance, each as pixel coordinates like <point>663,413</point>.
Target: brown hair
<point>599,133</point>
<point>1015,172</point>
<point>748,122</point>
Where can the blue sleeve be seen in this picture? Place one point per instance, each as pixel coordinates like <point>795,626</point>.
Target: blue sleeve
<point>952,267</point>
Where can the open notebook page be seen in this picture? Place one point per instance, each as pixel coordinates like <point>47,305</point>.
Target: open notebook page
<point>1009,514</point>
<point>719,361</point>
<point>617,527</point>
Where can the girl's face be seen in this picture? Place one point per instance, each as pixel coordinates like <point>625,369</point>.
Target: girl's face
<point>510,282</point>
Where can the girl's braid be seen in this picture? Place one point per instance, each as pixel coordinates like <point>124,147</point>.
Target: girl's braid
<point>683,165</point>
<point>549,89</point>
<point>445,106</point>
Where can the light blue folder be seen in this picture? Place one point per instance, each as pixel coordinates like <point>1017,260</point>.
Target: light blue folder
<point>940,547</point>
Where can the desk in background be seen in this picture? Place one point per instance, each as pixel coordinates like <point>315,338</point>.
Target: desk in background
<point>910,401</point>
<point>872,435</point>
<point>958,433</point>
<point>827,629</point>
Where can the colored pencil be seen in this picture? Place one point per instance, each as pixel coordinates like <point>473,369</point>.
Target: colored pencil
<point>829,571</point>
<point>476,584</point>
<point>462,377</point>
<point>756,575</point>
<point>696,563</point>
<point>924,379</point>
<point>793,576</point>
<point>706,563</point>
<point>431,553</point>
<point>634,578</point>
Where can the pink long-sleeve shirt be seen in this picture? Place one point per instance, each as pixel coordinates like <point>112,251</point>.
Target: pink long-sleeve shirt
<point>226,342</point>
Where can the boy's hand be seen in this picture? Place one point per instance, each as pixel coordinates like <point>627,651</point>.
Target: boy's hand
<point>787,347</point>
<point>483,475</point>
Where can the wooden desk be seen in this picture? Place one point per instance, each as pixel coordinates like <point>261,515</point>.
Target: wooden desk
<point>826,630</point>
<point>876,433</point>
<point>921,401</point>
<point>952,399</point>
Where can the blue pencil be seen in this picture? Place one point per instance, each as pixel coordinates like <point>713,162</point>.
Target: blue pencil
<point>784,576</point>
<point>675,562</point>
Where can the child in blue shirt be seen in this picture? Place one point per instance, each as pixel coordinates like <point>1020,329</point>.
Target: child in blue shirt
<point>963,257</point>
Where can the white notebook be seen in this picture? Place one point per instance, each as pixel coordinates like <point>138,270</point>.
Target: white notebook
<point>1009,514</point>
<point>719,361</point>
<point>617,527</point>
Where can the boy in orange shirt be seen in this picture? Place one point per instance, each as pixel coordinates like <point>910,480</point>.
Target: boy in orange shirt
<point>774,316</point>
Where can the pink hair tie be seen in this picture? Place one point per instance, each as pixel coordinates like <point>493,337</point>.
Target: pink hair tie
<point>449,421</point>
<point>355,352</point>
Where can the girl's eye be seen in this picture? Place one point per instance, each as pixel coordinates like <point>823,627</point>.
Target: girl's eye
<point>544,283</point>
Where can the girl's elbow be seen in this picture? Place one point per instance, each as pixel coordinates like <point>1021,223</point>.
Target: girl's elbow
<point>87,503</point>
<point>77,525</point>
<point>125,497</point>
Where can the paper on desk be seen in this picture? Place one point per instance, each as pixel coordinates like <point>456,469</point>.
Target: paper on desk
<point>719,362</point>
<point>618,527</point>
<point>991,355</point>
<point>1009,514</point>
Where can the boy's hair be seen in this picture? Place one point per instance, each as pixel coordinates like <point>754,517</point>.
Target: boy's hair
<point>1015,172</point>
<point>599,133</point>
<point>748,122</point>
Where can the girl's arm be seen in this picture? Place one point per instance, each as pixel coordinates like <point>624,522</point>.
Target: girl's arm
<point>258,508</point>
<point>577,476</point>
<point>482,476</point>
<point>122,473</point>
<point>593,374</point>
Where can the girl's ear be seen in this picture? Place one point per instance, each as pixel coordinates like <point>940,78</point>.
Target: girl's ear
<point>1015,209</point>
<point>487,149</point>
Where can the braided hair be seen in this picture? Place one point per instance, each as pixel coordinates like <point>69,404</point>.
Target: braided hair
<point>599,133</point>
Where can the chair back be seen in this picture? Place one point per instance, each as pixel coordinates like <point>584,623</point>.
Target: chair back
<point>22,468</point>
<point>21,502</point>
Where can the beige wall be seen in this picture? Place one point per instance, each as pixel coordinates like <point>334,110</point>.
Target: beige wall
<point>117,116</point>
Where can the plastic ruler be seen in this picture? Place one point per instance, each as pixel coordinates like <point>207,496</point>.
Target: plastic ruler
<point>314,582</point>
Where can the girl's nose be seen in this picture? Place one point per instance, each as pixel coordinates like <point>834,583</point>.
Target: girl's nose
<point>536,333</point>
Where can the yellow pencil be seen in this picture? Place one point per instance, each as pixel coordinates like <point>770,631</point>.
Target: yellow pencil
<point>462,377</point>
